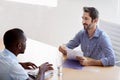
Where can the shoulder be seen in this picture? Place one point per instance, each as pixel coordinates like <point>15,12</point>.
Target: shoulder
<point>104,35</point>
<point>9,64</point>
<point>104,38</point>
<point>81,32</point>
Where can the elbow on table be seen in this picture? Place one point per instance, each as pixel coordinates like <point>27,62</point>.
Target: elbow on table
<point>108,62</point>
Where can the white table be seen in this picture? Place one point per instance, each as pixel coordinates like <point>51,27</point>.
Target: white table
<point>38,53</point>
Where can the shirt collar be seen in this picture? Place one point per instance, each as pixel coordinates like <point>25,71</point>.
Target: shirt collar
<point>12,55</point>
<point>97,32</point>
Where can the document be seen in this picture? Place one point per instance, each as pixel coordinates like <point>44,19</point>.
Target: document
<point>74,64</point>
<point>71,54</point>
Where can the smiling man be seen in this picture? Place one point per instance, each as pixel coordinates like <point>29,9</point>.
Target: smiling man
<point>95,44</point>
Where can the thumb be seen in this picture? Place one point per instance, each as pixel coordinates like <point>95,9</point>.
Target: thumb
<point>77,57</point>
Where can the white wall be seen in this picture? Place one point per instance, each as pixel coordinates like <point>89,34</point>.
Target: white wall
<point>52,25</point>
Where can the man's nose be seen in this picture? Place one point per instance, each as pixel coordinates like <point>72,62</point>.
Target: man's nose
<point>83,21</point>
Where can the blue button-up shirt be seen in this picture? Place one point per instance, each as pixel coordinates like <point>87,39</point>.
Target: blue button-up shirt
<point>10,69</point>
<point>97,47</point>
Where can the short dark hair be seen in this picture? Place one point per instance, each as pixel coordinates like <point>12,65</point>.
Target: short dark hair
<point>93,12</point>
<point>12,36</point>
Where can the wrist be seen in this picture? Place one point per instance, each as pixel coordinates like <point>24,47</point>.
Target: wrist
<point>40,75</point>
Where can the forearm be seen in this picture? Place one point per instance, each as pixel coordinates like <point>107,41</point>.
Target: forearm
<point>93,62</point>
<point>40,76</point>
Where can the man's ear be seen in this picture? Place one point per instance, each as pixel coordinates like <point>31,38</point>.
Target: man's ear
<point>19,46</point>
<point>96,20</point>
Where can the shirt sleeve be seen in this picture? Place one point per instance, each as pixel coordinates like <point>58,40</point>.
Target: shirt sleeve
<point>109,59</point>
<point>18,72</point>
<point>75,42</point>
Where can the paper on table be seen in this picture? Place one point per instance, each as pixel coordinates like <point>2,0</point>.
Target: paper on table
<point>71,54</point>
<point>74,64</point>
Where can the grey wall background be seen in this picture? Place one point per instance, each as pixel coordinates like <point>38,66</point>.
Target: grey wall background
<point>53,25</point>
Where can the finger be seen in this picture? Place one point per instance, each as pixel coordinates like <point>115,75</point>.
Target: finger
<point>62,49</point>
<point>50,64</point>
<point>79,58</point>
<point>45,63</point>
<point>28,67</point>
<point>50,68</point>
<point>32,65</point>
<point>81,62</point>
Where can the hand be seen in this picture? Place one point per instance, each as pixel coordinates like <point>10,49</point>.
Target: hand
<point>42,69</point>
<point>89,61</point>
<point>45,67</point>
<point>62,49</point>
<point>28,65</point>
<point>83,61</point>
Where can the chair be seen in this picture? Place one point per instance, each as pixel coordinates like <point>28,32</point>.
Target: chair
<point>113,30</point>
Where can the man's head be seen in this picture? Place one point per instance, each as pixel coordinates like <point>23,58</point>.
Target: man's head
<point>90,17</point>
<point>15,41</point>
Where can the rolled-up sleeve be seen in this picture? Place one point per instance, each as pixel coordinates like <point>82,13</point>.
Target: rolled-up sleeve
<point>109,59</point>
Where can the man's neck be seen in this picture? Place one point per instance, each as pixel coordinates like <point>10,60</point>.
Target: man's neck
<point>13,51</point>
<point>91,31</point>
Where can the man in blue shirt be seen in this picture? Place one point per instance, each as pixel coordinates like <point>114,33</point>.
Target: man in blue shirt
<point>95,44</point>
<point>10,68</point>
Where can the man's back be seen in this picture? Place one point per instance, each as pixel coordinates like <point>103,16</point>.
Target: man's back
<point>10,69</point>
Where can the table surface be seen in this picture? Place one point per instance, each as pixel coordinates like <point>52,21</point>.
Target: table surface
<point>38,53</point>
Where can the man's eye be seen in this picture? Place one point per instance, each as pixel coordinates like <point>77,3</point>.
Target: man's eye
<point>86,18</point>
